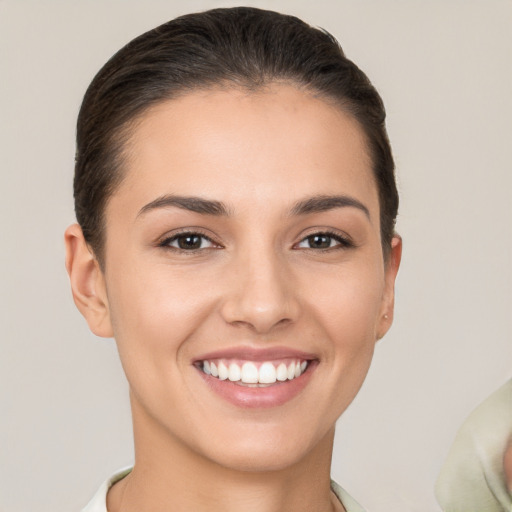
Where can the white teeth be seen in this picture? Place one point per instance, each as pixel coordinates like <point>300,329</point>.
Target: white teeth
<point>267,373</point>
<point>223,371</point>
<point>234,372</point>
<point>249,373</point>
<point>282,372</point>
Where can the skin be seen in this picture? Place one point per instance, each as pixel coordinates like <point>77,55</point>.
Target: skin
<point>258,284</point>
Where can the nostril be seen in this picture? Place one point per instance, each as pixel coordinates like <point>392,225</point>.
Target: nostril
<point>261,326</point>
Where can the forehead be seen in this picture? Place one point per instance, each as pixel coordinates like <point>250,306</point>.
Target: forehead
<point>276,144</point>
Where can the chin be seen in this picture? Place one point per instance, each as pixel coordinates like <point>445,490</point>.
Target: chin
<point>267,450</point>
<point>259,460</point>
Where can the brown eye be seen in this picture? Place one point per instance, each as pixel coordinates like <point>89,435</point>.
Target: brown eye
<point>188,242</point>
<point>319,241</point>
<point>324,241</point>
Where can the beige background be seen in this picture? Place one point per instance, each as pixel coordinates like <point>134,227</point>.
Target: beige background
<point>444,69</point>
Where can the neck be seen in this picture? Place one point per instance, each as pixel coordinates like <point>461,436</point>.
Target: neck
<point>168,475</point>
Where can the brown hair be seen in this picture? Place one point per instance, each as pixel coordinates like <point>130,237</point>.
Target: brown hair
<point>245,47</point>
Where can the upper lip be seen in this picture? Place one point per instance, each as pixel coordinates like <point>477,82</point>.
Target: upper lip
<point>256,354</point>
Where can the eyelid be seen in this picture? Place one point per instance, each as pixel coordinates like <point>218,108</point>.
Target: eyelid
<point>343,239</point>
<point>164,240</point>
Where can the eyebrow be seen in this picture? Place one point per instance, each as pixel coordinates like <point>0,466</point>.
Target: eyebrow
<point>190,203</point>
<point>322,203</point>
<point>315,204</point>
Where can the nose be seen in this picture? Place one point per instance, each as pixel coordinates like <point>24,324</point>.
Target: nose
<point>262,294</point>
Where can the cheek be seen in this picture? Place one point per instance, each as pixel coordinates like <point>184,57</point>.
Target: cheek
<point>349,301</point>
<point>153,315</point>
<point>155,319</point>
<point>348,309</point>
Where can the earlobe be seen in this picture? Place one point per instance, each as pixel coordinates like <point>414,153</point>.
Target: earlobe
<point>388,299</point>
<point>87,282</point>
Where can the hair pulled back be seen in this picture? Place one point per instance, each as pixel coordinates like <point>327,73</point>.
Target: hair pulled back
<point>242,47</point>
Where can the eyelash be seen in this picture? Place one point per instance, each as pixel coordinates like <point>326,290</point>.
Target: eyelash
<point>342,242</point>
<point>166,242</point>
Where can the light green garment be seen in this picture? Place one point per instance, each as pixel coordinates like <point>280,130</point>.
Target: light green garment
<point>472,478</point>
<point>99,502</point>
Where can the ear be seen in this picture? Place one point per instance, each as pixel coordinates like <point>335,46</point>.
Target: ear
<point>87,282</point>
<point>388,299</point>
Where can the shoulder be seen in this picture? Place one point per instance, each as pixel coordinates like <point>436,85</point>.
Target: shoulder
<point>99,500</point>
<point>472,476</point>
<point>489,426</point>
<point>496,406</point>
<point>348,502</point>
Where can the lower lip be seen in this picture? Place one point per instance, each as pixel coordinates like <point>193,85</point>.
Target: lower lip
<point>259,398</point>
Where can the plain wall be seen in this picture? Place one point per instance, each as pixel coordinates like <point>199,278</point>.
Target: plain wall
<point>444,69</point>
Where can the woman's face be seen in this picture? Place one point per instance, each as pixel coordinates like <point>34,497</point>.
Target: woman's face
<point>245,242</point>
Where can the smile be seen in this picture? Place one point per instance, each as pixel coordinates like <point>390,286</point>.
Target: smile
<point>257,378</point>
<point>254,373</point>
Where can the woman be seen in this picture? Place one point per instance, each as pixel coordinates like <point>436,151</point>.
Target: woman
<point>236,201</point>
